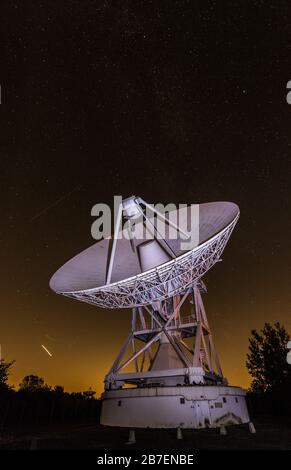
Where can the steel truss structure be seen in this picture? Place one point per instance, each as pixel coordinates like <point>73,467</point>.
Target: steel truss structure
<point>166,324</point>
<point>160,283</point>
<point>167,373</point>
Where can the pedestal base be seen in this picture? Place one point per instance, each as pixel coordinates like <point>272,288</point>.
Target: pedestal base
<point>171,407</point>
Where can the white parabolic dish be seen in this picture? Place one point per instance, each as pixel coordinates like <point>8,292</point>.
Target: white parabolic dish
<point>84,276</point>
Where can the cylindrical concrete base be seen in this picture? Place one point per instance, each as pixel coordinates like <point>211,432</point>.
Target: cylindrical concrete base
<point>172,407</point>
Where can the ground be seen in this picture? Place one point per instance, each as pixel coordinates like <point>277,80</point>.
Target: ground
<point>272,433</point>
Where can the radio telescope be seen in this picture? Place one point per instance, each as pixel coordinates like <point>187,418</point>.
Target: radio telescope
<point>167,374</point>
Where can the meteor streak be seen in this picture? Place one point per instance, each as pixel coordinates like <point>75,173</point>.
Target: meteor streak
<point>46,350</point>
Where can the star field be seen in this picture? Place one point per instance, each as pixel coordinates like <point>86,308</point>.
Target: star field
<point>174,101</point>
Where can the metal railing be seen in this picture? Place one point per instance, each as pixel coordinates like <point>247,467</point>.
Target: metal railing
<point>153,325</point>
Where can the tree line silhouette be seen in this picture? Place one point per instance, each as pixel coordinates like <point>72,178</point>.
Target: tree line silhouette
<point>36,403</point>
<point>270,391</point>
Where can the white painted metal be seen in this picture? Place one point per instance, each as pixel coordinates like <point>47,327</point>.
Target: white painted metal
<point>172,407</point>
<point>169,355</point>
<point>164,218</point>
<point>151,255</point>
<point>112,254</point>
<point>159,283</point>
<point>179,346</point>
<point>84,277</point>
<point>252,428</point>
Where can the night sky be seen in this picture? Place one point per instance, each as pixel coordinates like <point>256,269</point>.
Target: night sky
<point>175,101</point>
